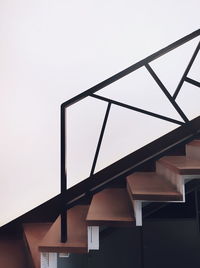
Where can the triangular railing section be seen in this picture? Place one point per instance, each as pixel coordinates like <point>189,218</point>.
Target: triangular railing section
<point>92,93</point>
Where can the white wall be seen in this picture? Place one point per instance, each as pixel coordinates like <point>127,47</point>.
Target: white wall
<point>51,51</point>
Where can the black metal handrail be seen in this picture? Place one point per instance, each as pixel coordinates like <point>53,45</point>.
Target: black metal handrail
<point>90,93</point>
<point>132,68</point>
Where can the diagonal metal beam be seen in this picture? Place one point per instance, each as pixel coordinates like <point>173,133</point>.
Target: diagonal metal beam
<point>186,71</point>
<point>100,139</point>
<point>137,109</point>
<point>165,91</point>
<point>192,81</point>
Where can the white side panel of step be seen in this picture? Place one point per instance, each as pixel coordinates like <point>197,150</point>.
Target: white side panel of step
<point>48,260</point>
<point>93,238</point>
<point>137,206</point>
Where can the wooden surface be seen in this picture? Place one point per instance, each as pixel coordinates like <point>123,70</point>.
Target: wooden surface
<point>193,149</point>
<point>12,253</point>
<point>181,164</point>
<point>150,186</point>
<point>34,233</point>
<point>194,143</point>
<point>111,207</point>
<point>77,233</point>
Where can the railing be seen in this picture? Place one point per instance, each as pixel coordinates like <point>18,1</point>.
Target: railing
<point>91,93</point>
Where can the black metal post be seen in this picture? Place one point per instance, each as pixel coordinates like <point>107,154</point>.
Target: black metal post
<point>63,178</point>
<point>141,247</point>
<point>197,208</point>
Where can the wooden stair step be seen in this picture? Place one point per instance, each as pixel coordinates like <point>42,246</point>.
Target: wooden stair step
<point>111,207</point>
<point>34,233</point>
<point>193,149</point>
<point>12,253</point>
<point>76,231</point>
<point>151,186</point>
<point>181,164</point>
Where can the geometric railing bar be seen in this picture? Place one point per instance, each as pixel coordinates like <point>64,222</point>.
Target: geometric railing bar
<point>100,139</point>
<point>131,68</point>
<point>192,81</point>
<point>165,91</point>
<point>137,109</point>
<point>186,71</point>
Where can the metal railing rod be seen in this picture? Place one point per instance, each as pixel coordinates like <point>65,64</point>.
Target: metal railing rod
<point>192,81</point>
<point>167,94</point>
<point>186,71</point>
<point>197,208</point>
<point>132,68</point>
<point>100,139</point>
<point>63,177</point>
<point>63,217</point>
<point>137,109</point>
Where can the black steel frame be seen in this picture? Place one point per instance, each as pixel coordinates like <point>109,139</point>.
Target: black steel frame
<point>91,93</point>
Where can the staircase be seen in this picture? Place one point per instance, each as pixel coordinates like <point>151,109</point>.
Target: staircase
<point>113,197</point>
<point>111,207</point>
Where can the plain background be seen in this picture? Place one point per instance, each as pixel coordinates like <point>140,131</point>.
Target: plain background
<point>53,50</point>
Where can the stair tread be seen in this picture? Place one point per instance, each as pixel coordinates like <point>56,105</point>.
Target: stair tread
<point>34,233</point>
<point>181,164</point>
<point>111,207</point>
<point>76,231</point>
<point>151,186</point>
<point>12,253</point>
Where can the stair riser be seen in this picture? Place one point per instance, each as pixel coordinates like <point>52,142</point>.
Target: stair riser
<point>175,178</point>
<point>28,253</point>
<point>137,207</point>
<point>147,199</point>
<point>111,207</point>
<point>193,151</point>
